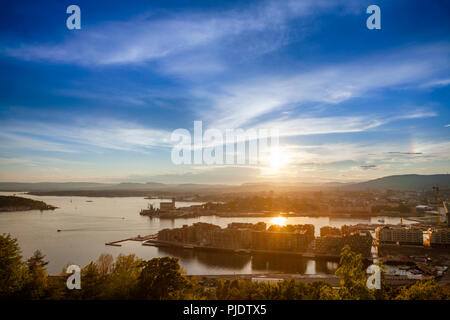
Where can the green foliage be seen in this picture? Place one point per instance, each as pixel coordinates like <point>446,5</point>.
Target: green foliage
<point>160,278</point>
<point>424,290</point>
<point>283,290</point>
<point>92,284</point>
<point>327,293</point>
<point>13,271</point>
<point>12,203</point>
<point>36,285</point>
<point>353,276</point>
<point>385,291</point>
<point>123,279</point>
<point>105,264</point>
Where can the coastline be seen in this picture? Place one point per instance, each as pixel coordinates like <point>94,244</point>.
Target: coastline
<point>183,215</point>
<point>19,204</point>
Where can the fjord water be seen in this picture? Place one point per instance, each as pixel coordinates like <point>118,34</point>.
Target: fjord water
<point>87,223</point>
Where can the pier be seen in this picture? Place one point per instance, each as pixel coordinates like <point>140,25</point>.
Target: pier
<point>137,238</point>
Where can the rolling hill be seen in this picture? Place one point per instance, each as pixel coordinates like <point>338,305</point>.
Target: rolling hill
<point>402,182</point>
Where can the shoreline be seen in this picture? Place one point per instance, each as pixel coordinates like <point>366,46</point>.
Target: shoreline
<point>187,214</point>
<point>20,204</point>
<point>286,215</point>
<point>27,209</point>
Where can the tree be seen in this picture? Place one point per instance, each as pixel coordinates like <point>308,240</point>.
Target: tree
<point>160,278</point>
<point>193,290</point>
<point>37,280</point>
<point>353,276</point>
<point>37,260</point>
<point>13,271</point>
<point>320,289</point>
<point>328,293</point>
<point>104,264</point>
<point>426,289</point>
<point>92,283</point>
<point>123,279</point>
<point>385,291</point>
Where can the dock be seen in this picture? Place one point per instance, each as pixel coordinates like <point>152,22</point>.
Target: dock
<point>137,238</point>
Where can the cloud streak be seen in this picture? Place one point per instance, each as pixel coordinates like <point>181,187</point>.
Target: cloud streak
<point>242,104</point>
<point>81,135</point>
<point>146,38</point>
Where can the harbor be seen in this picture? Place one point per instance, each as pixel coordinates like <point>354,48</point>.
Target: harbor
<point>412,260</point>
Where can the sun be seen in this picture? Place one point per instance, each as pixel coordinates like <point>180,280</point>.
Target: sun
<point>277,158</point>
<point>280,221</point>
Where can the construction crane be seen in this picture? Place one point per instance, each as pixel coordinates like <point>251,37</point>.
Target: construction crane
<point>438,202</point>
<point>446,213</point>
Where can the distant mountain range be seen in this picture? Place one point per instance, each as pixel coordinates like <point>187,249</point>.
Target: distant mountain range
<point>397,182</point>
<point>402,182</point>
<point>90,186</point>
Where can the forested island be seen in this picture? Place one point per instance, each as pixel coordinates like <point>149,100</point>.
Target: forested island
<point>13,203</point>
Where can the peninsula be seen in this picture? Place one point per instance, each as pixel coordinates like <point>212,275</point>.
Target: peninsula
<point>13,203</point>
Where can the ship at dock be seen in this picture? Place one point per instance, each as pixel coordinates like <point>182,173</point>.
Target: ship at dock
<point>150,211</point>
<point>164,207</point>
<point>168,210</point>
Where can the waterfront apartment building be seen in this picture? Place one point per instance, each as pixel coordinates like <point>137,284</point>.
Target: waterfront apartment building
<point>260,226</point>
<point>359,242</point>
<point>439,237</point>
<point>307,228</point>
<point>199,233</point>
<point>402,235</point>
<point>242,236</point>
<point>296,241</point>
<point>330,231</point>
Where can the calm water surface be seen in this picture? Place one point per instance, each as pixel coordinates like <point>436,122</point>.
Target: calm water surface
<point>86,227</point>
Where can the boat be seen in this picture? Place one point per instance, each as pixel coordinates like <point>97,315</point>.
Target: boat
<point>150,211</point>
<point>246,251</point>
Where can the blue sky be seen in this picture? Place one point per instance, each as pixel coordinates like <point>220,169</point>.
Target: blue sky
<point>100,103</point>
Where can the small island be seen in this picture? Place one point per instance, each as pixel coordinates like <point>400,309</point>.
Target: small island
<point>13,203</point>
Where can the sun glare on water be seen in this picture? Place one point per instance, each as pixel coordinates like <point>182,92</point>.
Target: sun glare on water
<point>278,221</point>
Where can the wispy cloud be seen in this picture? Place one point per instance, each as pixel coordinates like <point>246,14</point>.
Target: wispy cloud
<point>15,140</point>
<point>437,83</point>
<point>241,104</point>
<point>80,135</point>
<point>147,37</point>
<point>405,153</point>
<point>367,167</point>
